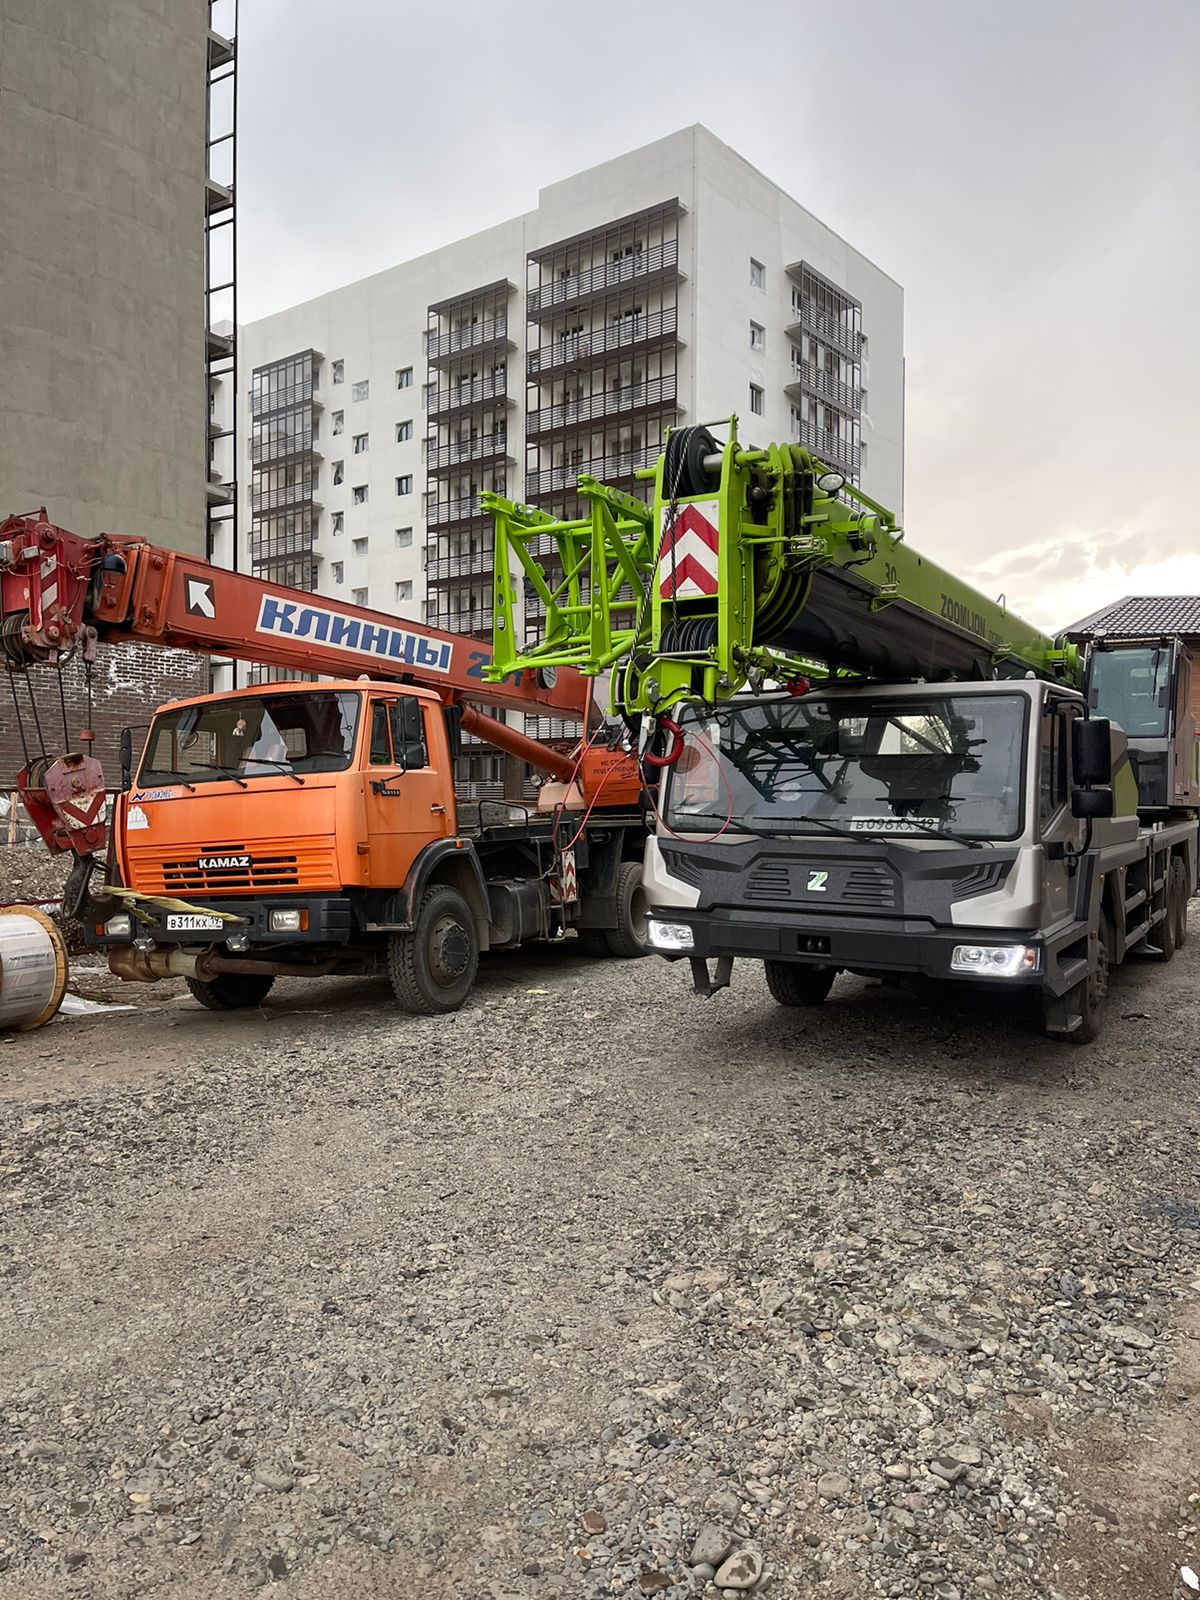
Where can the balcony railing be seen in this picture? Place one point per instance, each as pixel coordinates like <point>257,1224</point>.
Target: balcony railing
<point>272,546</point>
<point>439,512</point>
<point>659,258</point>
<point>596,407</point>
<point>492,330</point>
<point>806,316</point>
<point>461,452</point>
<point>458,396</point>
<point>291,494</point>
<point>606,468</point>
<point>295,394</point>
<point>811,380</point>
<point>829,448</point>
<point>475,564</point>
<point>479,621</point>
<point>627,334</point>
<point>280,449</point>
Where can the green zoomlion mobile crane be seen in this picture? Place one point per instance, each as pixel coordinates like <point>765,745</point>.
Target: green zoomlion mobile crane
<point>854,761</point>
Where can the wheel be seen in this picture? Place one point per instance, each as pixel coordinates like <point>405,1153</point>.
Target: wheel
<point>1166,933</point>
<point>795,985</point>
<point>1089,996</point>
<point>433,968</point>
<point>232,991</point>
<point>593,942</point>
<point>630,938</point>
<point>1179,880</point>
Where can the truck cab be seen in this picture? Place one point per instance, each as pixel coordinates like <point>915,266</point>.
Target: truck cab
<point>305,828</point>
<point>906,830</point>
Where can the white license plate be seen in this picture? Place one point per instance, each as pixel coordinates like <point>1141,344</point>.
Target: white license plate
<point>192,922</point>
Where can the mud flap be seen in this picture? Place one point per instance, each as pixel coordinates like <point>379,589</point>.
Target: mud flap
<point>705,986</point>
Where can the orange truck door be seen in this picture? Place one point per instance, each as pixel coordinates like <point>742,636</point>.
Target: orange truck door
<point>409,802</point>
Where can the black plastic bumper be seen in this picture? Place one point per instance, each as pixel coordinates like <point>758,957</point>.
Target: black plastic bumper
<point>850,943</point>
<point>330,921</point>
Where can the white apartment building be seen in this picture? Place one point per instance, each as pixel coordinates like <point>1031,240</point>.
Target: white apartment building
<point>672,284</point>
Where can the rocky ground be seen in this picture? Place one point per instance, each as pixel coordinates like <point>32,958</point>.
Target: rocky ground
<point>598,1289</point>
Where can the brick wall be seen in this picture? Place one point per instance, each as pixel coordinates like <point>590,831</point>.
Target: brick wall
<point>129,683</point>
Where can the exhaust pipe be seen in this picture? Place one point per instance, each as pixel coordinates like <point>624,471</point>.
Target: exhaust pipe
<point>152,966</point>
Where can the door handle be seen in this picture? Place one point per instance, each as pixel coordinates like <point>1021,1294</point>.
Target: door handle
<point>435,807</point>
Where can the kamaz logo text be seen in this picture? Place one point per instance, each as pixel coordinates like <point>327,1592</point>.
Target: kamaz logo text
<point>220,863</point>
<point>289,619</point>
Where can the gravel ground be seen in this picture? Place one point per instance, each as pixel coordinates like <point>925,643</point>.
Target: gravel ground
<point>598,1289</point>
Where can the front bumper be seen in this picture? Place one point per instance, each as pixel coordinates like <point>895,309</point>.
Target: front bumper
<point>329,922</point>
<point>854,944</point>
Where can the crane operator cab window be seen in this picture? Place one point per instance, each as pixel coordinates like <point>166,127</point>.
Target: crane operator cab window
<point>1133,688</point>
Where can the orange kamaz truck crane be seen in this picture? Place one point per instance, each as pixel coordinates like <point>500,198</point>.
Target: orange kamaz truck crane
<point>313,827</point>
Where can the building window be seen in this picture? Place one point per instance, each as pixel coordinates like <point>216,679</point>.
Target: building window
<point>862,347</point>
<point>359,596</point>
<point>756,400</point>
<point>758,274</point>
<point>339,372</point>
<point>339,522</point>
<point>359,494</point>
<point>338,570</point>
<point>360,391</point>
<point>339,471</point>
<point>404,377</point>
<point>404,589</point>
<point>339,421</point>
<point>404,483</point>
<point>758,337</point>
<point>862,398</point>
<point>403,431</point>
<point>359,546</point>
<point>403,538</point>
<point>362,442</point>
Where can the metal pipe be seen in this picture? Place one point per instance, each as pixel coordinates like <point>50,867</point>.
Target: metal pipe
<point>151,966</point>
<point>517,744</point>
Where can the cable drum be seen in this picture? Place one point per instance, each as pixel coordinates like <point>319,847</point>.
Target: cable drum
<point>33,968</point>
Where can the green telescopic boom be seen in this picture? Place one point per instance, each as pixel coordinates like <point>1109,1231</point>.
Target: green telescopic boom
<point>750,566</point>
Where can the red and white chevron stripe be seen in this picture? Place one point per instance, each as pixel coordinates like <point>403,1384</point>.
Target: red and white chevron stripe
<point>687,568</point>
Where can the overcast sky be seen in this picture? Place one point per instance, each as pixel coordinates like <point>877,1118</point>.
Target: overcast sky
<point>1027,169</point>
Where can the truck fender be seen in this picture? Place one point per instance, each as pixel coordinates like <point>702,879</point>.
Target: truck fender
<point>452,861</point>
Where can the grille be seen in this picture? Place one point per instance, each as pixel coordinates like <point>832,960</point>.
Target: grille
<point>300,868</point>
<point>769,880</point>
<point>982,879</point>
<point>869,886</point>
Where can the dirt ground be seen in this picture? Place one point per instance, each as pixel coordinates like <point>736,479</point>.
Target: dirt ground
<point>892,1297</point>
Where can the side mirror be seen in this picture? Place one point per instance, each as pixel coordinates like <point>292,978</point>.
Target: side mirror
<point>1091,752</point>
<point>126,758</point>
<point>1092,803</point>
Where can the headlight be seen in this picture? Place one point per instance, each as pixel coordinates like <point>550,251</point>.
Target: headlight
<point>120,926</point>
<point>285,922</point>
<point>671,936</point>
<point>995,960</point>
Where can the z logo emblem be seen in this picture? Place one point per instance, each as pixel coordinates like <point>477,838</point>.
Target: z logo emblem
<point>818,882</point>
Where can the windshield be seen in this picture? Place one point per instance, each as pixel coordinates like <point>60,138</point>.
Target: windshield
<point>950,764</point>
<point>1132,687</point>
<point>257,736</point>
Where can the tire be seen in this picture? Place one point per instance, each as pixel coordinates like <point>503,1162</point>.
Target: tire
<point>1090,995</point>
<point>792,984</point>
<point>1180,880</point>
<point>630,938</point>
<point>433,968</point>
<point>232,991</point>
<point>1165,934</point>
<point>593,942</point>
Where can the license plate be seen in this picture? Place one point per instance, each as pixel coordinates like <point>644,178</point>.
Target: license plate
<point>192,922</point>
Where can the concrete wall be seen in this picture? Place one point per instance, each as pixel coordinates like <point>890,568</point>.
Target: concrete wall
<point>102,382</point>
<point>102,378</point>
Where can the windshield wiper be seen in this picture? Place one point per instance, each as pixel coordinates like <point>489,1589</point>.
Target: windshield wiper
<point>284,766</point>
<point>208,766</point>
